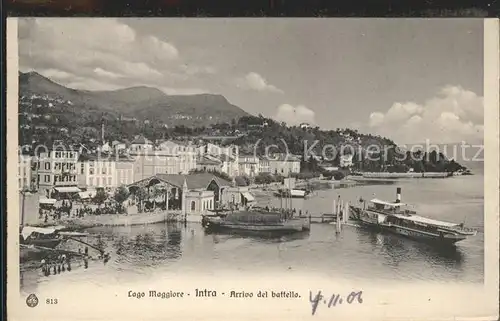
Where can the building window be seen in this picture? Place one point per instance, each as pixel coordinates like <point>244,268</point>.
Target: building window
<point>47,179</point>
<point>82,169</point>
<point>91,171</point>
<point>91,181</point>
<point>47,166</point>
<point>193,205</point>
<point>109,181</point>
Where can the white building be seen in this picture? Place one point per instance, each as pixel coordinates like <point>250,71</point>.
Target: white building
<point>118,146</point>
<point>168,158</point>
<point>97,172</point>
<point>24,172</point>
<point>141,144</point>
<point>346,160</point>
<point>57,170</point>
<point>264,166</point>
<point>227,156</point>
<point>124,171</point>
<point>229,165</point>
<point>248,165</point>
<point>284,164</point>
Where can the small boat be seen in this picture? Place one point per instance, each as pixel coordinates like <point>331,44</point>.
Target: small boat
<point>391,217</point>
<point>256,220</point>
<point>46,237</point>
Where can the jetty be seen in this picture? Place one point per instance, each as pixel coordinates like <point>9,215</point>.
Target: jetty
<point>387,175</point>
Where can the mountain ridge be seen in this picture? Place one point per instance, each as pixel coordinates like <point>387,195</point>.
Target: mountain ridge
<point>141,102</point>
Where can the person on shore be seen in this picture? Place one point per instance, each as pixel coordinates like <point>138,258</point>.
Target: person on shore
<point>44,266</point>
<point>46,218</point>
<point>63,262</point>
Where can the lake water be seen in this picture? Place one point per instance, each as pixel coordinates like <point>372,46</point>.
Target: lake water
<point>166,249</point>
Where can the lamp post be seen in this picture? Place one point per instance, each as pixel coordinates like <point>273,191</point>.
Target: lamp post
<point>23,193</point>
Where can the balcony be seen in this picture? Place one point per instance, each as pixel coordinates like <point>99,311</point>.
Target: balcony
<point>62,183</point>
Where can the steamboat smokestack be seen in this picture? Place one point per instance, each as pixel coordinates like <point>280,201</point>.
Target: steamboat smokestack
<point>398,195</point>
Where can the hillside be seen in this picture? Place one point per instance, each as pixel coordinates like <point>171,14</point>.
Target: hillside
<point>141,103</point>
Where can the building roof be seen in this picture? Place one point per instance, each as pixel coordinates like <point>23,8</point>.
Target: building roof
<point>105,157</point>
<point>207,161</point>
<point>225,158</point>
<point>141,140</point>
<point>282,158</point>
<point>194,181</point>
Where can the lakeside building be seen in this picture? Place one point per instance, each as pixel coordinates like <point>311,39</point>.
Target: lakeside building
<point>208,164</point>
<point>168,158</point>
<point>124,171</point>
<point>104,171</point>
<point>24,172</point>
<point>226,157</point>
<point>283,164</point>
<point>195,194</point>
<point>264,166</point>
<point>230,165</point>
<point>248,165</point>
<point>57,171</point>
<point>96,171</point>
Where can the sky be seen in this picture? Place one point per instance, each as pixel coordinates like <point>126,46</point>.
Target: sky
<point>411,80</point>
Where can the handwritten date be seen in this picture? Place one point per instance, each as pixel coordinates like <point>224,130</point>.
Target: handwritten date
<point>334,299</point>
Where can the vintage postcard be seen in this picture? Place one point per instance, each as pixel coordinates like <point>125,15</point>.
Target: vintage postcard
<point>244,169</point>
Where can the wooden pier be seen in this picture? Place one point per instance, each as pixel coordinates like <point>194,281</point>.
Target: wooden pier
<point>339,215</point>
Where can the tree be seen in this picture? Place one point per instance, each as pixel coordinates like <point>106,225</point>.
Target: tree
<point>141,194</point>
<point>121,194</point>
<point>100,197</point>
<point>263,178</point>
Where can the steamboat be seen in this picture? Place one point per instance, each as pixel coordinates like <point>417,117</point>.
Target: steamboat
<point>395,218</point>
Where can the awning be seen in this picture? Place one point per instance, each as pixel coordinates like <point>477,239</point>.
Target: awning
<point>28,230</point>
<point>249,197</point>
<point>86,194</point>
<point>68,189</point>
<point>48,201</point>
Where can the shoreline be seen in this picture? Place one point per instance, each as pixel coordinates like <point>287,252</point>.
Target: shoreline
<point>113,220</point>
<point>259,191</point>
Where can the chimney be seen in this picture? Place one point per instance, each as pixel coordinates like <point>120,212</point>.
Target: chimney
<point>398,195</point>
<point>102,132</point>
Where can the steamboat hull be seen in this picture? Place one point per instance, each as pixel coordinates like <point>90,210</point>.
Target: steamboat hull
<point>434,239</point>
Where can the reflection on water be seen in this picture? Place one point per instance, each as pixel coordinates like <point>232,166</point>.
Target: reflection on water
<point>263,237</point>
<point>150,247</point>
<point>395,249</point>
